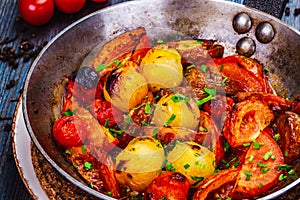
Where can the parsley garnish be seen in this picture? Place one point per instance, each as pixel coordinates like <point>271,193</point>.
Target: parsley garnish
<point>269,155</point>
<point>167,123</point>
<point>203,68</point>
<point>179,97</point>
<point>257,145</point>
<point>186,166</point>
<point>88,166</point>
<point>248,175</point>
<point>69,112</point>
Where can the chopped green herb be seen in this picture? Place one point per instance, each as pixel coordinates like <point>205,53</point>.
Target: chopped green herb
<point>221,67</point>
<point>117,62</point>
<point>91,185</point>
<point>260,185</point>
<point>248,175</point>
<point>251,158</point>
<point>186,166</point>
<point>190,66</point>
<point>170,168</point>
<point>160,41</point>
<point>69,112</point>
<point>109,193</point>
<point>106,123</point>
<point>224,80</point>
<point>211,92</point>
<point>286,154</point>
<point>155,131</point>
<point>246,144</point>
<point>68,152</point>
<point>145,123</point>
<point>167,123</point>
<point>197,178</point>
<point>282,177</point>
<point>179,97</point>
<point>263,171</point>
<point>83,149</point>
<point>100,67</point>
<point>269,155</point>
<point>226,146</point>
<point>257,145</point>
<point>199,42</point>
<point>284,167</point>
<point>197,154</point>
<point>204,100</point>
<point>203,68</point>
<point>187,74</point>
<point>139,106</point>
<point>147,108</point>
<point>266,69</point>
<point>262,164</point>
<point>276,137</point>
<point>291,172</point>
<point>75,166</point>
<point>88,106</point>
<point>228,198</point>
<point>88,166</point>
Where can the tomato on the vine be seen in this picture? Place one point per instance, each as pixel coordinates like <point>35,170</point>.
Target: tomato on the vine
<point>36,12</point>
<point>69,6</point>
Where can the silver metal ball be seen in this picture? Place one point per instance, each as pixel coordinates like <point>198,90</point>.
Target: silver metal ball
<point>242,23</point>
<point>265,32</point>
<point>246,47</point>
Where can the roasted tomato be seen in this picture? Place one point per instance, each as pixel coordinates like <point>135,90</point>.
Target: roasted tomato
<point>245,122</point>
<point>238,78</point>
<point>69,131</point>
<point>287,125</point>
<point>168,185</point>
<point>219,108</point>
<point>107,114</point>
<point>208,125</point>
<point>259,171</point>
<point>275,102</point>
<point>218,185</point>
<point>127,43</point>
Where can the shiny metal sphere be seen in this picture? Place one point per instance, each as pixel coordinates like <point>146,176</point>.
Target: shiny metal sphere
<point>264,32</point>
<point>242,23</point>
<point>246,47</point>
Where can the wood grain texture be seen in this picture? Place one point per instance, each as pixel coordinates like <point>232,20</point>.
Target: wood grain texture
<point>11,186</point>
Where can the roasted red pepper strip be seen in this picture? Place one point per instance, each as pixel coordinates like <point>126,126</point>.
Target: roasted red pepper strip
<point>246,121</point>
<point>259,171</point>
<point>214,183</point>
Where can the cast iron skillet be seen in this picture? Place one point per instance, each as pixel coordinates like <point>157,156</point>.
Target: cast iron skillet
<point>193,18</point>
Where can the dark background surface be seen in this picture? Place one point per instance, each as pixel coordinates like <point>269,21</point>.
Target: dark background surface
<point>13,74</point>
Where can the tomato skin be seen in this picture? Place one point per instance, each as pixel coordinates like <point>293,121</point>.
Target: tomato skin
<point>36,12</point>
<point>69,131</point>
<point>69,6</point>
<point>263,173</point>
<point>168,185</point>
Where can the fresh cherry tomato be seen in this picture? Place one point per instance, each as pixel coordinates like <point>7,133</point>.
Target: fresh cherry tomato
<point>36,12</point>
<point>69,131</point>
<point>69,6</point>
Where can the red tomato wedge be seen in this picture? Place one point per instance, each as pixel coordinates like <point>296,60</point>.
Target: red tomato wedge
<point>168,185</point>
<point>259,171</point>
<point>210,186</point>
<point>246,121</point>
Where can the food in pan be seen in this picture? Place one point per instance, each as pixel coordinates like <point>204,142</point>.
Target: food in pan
<point>177,120</point>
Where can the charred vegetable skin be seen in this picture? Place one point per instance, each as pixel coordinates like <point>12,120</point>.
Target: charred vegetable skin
<point>212,130</point>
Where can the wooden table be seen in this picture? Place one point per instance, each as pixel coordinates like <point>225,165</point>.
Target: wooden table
<point>13,76</point>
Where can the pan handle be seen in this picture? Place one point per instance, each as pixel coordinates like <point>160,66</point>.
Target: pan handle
<point>274,7</point>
